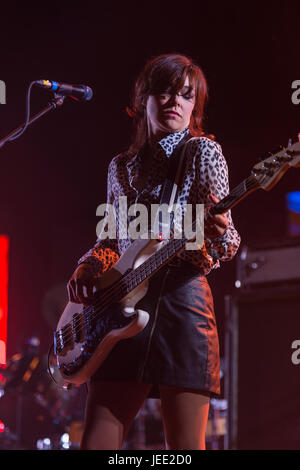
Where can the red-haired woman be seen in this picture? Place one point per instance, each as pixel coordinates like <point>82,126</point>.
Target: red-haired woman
<point>176,357</point>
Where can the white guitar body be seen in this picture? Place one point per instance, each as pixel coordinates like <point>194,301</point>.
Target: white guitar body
<point>136,254</point>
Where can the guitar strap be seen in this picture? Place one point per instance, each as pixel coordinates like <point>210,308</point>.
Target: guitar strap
<point>170,188</point>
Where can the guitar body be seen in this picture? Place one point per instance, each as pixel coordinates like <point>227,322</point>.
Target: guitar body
<point>83,340</point>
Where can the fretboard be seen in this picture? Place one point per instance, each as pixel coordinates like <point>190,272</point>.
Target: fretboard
<point>236,195</point>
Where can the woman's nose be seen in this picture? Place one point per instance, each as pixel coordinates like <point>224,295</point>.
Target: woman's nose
<point>175,98</point>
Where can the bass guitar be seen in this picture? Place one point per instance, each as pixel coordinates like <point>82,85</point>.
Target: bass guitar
<point>85,335</point>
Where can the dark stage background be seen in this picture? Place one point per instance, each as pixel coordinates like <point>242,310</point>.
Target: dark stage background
<point>54,176</point>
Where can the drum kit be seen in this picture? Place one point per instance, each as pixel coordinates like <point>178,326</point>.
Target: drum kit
<point>34,412</point>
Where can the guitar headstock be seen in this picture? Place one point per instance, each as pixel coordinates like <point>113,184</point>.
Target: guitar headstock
<point>269,171</point>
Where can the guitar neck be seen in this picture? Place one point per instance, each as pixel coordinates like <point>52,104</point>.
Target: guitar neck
<point>246,187</point>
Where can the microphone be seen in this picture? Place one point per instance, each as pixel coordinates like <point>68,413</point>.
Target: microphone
<point>78,92</point>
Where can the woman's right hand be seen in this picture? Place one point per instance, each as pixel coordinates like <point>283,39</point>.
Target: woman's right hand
<point>81,285</point>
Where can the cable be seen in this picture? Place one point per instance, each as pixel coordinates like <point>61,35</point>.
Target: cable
<point>22,130</point>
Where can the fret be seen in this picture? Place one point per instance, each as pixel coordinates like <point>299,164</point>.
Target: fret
<point>170,249</point>
<point>246,186</point>
<point>148,269</point>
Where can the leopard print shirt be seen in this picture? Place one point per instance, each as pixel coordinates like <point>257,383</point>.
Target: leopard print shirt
<point>205,171</point>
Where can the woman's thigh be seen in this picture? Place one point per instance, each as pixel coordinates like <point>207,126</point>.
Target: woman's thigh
<point>185,414</point>
<point>110,410</point>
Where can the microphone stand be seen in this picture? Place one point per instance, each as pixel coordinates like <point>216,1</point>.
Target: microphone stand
<point>56,102</point>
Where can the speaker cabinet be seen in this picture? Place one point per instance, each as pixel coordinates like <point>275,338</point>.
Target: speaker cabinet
<point>262,374</point>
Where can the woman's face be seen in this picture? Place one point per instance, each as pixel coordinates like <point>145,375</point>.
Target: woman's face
<point>167,113</point>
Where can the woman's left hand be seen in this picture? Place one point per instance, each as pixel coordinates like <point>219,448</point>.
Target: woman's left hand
<point>214,225</point>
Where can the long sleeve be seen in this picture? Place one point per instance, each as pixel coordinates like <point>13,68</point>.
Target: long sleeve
<point>105,252</point>
<point>210,176</point>
<point>214,176</point>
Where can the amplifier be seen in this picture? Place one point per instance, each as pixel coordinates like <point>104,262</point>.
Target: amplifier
<point>262,370</point>
<point>259,266</point>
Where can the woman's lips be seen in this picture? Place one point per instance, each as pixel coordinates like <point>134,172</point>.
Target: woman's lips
<point>172,113</point>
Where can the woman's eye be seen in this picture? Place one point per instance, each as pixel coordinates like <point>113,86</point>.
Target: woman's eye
<point>188,97</point>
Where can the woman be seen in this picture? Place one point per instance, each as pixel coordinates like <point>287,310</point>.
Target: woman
<point>176,357</point>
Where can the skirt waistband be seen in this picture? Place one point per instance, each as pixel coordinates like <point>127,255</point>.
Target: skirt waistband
<point>185,268</point>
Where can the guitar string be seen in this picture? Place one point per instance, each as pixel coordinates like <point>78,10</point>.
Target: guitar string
<point>106,299</point>
<point>249,183</point>
<point>76,325</point>
<point>122,283</point>
<point>116,288</point>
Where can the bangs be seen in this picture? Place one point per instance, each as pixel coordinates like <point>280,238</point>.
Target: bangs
<point>170,77</point>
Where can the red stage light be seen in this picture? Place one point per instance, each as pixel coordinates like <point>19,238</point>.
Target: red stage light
<point>4,247</point>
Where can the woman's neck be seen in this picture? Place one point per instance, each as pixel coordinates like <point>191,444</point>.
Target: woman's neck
<point>152,138</point>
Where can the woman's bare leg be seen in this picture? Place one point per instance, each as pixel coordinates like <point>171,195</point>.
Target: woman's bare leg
<point>185,414</point>
<point>110,410</point>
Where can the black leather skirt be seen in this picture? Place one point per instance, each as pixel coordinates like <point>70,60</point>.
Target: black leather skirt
<point>179,346</point>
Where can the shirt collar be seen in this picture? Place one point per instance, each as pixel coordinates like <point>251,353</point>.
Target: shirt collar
<point>169,142</point>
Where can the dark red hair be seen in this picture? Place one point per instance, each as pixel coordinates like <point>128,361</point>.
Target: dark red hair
<point>166,72</point>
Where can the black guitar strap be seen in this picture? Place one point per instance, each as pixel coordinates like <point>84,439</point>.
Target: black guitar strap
<point>170,188</point>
